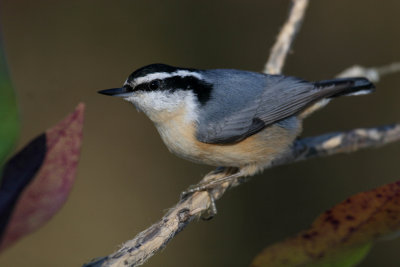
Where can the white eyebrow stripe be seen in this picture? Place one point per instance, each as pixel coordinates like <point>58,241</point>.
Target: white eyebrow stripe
<point>163,75</point>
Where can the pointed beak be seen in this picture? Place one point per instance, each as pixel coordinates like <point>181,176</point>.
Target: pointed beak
<point>119,92</point>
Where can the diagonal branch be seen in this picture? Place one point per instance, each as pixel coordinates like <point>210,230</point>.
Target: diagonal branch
<point>136,251</point>
<point>286,37</point>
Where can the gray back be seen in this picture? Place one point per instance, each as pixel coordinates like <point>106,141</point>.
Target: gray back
<point>243,103</point>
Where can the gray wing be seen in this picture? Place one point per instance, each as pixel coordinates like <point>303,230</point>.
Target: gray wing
<point>238,115</point>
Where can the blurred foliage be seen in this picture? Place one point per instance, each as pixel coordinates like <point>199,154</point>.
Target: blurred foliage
<point>37,180</point>
<point>9,126</point>
<point>343,235</point>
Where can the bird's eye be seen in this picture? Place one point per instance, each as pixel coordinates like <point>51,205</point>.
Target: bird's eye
<point>154,85</point>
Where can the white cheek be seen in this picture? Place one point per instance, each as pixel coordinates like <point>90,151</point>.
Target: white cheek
<point>156,104</point>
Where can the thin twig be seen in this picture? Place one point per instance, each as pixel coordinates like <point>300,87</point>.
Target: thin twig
<point>136,251</point>
<point>373,74</point>
<point>285,38</point>
<point>340,142</point>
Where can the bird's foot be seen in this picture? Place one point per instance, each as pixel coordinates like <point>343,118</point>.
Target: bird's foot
<point>211,182</point>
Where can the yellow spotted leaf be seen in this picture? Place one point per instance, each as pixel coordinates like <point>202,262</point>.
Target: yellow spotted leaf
<point>341,236</point>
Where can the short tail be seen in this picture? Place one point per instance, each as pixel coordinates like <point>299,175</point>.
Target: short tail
<point>350,86</point>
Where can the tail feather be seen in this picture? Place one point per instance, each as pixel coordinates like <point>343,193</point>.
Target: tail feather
<point>341,87</point>
<point>351,86</point>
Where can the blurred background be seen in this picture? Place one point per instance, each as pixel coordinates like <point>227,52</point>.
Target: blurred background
<point>61,52</point>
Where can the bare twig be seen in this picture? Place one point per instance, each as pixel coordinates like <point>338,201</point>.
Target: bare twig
<point>285,38</point>
<point>136,251</point>
<point>373,74</point>
<point>340,142</point>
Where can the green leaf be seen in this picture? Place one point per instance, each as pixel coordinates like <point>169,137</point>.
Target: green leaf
<point>347,257</point>
<point>341,236</point>
<point>9,119</point>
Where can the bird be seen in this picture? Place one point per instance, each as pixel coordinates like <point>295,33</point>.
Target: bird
<point>228,117</point>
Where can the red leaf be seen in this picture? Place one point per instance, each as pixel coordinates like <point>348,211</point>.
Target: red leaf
<point>49,189</point>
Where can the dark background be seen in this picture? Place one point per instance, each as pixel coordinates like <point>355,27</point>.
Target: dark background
<point>62,52</point>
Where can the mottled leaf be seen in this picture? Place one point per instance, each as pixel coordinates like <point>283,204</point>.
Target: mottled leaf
<point>9,121</point>
<point>37,181</point>
<point>18,173</point>
<point>343,235</point>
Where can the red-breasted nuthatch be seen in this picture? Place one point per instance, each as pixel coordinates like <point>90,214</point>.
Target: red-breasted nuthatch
<point>227,117</point>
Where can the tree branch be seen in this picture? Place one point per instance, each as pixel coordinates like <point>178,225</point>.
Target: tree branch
<point>136,251</point>
<point>286,37</point>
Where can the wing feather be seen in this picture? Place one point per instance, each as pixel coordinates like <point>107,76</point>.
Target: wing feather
<point>279,98</point>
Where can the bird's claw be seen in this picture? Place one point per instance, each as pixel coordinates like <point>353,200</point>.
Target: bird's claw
<point>193,189</point>
<point>209,186</point>
<point>212,209</point>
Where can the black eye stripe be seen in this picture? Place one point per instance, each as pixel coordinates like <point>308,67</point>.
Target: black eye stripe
<point>142,87</point>
<point>154,85</point>
<point>128,88</point>
<point>201,88</point>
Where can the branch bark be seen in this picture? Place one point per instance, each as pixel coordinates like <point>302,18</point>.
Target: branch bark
<point>136,251</point>
<point>286,37</point>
